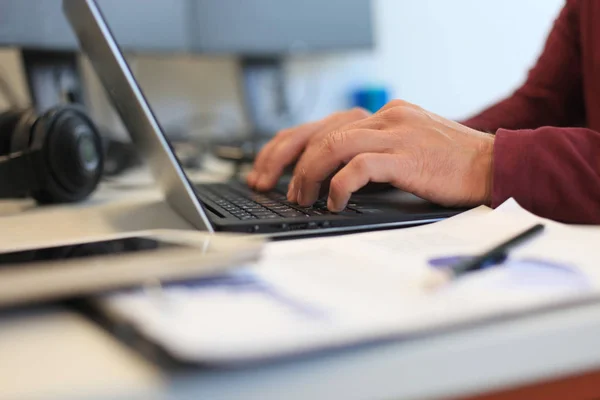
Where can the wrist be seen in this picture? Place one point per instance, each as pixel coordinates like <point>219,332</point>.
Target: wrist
<point>486,167</point>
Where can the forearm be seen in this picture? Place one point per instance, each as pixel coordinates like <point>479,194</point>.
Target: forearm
<point>552,172</point>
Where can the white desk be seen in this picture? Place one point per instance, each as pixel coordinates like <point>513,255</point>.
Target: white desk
<point>55,353</point>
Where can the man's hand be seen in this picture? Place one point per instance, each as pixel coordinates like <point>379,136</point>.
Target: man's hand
<point>402,144</point>
<point>289,144</point>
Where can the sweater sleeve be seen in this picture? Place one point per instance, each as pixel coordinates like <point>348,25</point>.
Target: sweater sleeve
<point>552,94</point>
<point>552,172</point>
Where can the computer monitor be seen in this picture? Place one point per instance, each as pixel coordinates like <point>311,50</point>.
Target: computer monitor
<point>49,48</point>
<point>139,25</point>
<point>247,27</point>
<point>275,27</point>
<point>261,33</point>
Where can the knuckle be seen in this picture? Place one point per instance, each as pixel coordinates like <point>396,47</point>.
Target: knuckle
<point>397,113</point>
<point>358,113</point>
<point>376,122</point>
<point>337,185</point>
<point>392,104</point>
<point>301,176</point>
<point>362,162</point>
<point>333,141</point>
<point>302,172</point>
<point>397,103</point>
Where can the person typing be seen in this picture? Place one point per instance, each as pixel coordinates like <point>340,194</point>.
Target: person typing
<point>541,145</point>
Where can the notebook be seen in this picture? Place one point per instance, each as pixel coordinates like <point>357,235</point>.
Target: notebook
<point>310,295</point>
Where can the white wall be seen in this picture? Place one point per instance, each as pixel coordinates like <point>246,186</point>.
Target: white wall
<point>450,56</point>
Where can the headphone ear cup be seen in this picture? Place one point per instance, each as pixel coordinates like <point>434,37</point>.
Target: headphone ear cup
<point>21,137</point>
<point>71,159</point>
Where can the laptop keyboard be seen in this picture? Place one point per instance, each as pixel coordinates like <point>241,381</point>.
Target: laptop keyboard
<point>246,204</point>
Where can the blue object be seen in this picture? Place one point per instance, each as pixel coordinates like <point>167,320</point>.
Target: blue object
<point>371,99</point>
<point>447,262</point>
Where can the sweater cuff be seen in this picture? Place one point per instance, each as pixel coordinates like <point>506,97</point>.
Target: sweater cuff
<point>511,174</point>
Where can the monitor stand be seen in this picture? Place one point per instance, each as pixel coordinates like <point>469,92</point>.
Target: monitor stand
<point>263,90</point>
<point>53,78</point>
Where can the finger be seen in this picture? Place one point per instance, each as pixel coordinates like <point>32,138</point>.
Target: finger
<point>319,161</point>
<point>397,103</point>
<point>292,191</point>
<point>258,166</point>
<point>289,144</point>
<point>251,178</point>
<point>362,169</point>
<point>282,154</point>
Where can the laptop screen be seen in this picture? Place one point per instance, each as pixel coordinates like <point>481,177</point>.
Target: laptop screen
<point>98,43</point>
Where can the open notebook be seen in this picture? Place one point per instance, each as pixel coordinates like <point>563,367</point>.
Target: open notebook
<point>331,292</point>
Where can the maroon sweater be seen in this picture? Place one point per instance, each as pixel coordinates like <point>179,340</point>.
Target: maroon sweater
<point>547,150</point>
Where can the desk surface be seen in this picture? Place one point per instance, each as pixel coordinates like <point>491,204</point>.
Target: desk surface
<point>56,353</point>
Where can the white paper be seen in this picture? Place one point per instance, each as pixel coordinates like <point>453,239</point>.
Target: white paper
<point>330,291</point>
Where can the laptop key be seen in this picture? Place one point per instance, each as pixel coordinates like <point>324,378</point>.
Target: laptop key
<point>280,208</point>
<point>291,213</point>
<point>263,213</point>
<point>246,204</point>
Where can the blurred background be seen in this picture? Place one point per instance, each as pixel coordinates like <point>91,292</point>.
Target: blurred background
<point>231,69</point>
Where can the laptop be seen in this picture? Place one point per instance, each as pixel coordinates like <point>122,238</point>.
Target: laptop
<point>230,206</point>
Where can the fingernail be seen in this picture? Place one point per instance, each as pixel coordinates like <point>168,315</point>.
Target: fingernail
<point>298,198</point>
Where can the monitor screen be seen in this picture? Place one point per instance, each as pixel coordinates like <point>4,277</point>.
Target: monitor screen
<point>139,25</point>
<point>269,27</point>
<point>247,27</point>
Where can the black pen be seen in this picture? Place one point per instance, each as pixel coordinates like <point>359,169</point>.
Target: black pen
<point>495,255</point>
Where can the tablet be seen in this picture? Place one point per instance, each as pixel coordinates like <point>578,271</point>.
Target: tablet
<point>92,265</point>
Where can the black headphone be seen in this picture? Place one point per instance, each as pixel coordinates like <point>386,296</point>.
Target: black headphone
<point>55,158</point>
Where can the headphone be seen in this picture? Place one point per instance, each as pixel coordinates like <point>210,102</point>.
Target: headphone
<point>55,158</point>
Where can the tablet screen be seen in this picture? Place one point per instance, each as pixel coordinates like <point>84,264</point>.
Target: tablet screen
<point>81,250</point>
